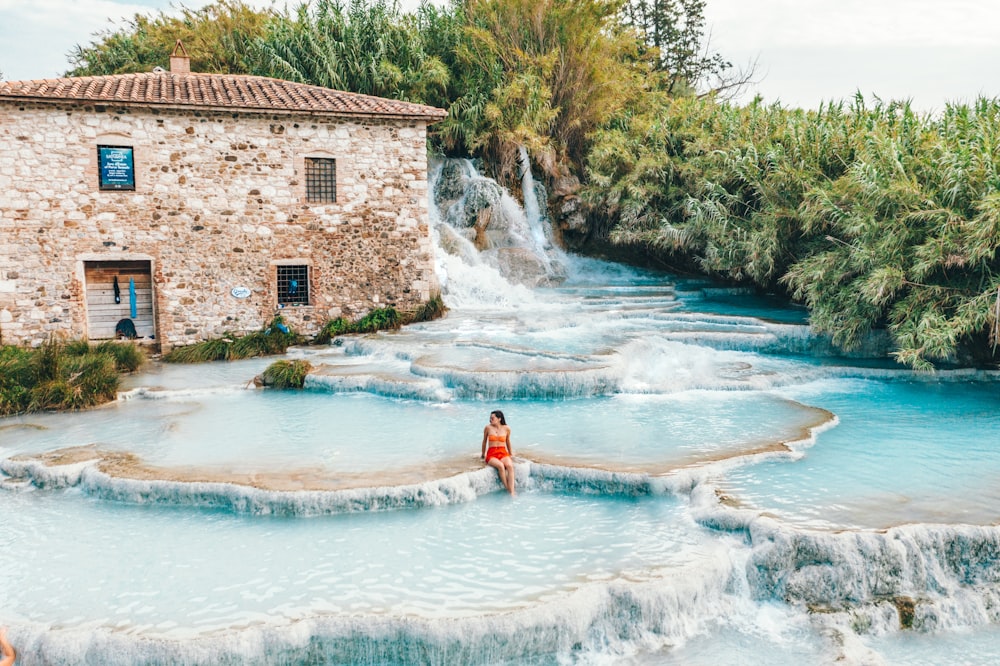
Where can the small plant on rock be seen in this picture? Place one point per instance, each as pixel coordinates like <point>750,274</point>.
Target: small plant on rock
<point>286,374</point>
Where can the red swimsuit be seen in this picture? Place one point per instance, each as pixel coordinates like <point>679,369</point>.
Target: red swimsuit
<point>498,451</point>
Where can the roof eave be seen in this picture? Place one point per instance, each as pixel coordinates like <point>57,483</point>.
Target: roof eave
<point>428,118</point>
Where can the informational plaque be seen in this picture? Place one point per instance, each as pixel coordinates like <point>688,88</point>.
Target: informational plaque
<point>116,167</point>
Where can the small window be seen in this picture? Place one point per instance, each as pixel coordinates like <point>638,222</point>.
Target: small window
<point>293,285</point>
<point>321,180</point>
<point>116,167</point>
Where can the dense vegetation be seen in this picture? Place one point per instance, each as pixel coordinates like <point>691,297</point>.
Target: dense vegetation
<point>871,214</point>
<point>72,375</point>
<point>58,376</point>
<point>538,73</point>
<point>274,338</point>
<point>873,217</point>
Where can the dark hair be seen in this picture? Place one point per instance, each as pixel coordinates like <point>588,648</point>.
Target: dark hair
<point>499,415</point>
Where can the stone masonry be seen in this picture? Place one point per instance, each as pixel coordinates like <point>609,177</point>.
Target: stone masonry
<point>219,202</point>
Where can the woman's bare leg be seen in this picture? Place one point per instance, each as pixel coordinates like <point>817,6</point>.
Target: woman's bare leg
<point>493,462</point>
<point>511,476</point>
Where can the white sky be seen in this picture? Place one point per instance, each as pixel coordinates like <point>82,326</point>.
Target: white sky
<point>808,51</point>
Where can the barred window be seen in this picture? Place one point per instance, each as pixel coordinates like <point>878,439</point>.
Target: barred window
<point>321,180</point>
<point>293,285</point>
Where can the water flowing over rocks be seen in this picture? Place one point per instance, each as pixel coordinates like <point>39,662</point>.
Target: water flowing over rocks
<point>516,241</point>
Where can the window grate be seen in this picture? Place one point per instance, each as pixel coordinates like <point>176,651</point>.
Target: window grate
<point>293,285</point>
<point>321,180</point>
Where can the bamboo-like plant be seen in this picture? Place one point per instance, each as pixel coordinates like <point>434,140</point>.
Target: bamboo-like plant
<point>216,36</point>
<point>362,46</point>
<point>871,214</point>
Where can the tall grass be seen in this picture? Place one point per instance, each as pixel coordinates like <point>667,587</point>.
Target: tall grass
<point>432,309</point>
<point>63,376</point>
<point>275,338</point>
<point>286,374</point>
<point>128,357</point>
<point>871,214</point>
<point>380,319</point>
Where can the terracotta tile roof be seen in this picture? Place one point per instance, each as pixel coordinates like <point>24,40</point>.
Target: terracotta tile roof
<point>216,91</point>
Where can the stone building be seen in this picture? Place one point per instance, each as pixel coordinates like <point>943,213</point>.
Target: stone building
<point>196,204</point>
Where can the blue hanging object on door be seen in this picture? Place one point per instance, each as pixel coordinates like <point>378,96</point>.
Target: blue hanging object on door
<point>118,292</point>
<point>131,297</point>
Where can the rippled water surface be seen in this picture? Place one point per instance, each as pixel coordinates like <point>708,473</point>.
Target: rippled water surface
<point>903,451</point>
<point>147,570</point>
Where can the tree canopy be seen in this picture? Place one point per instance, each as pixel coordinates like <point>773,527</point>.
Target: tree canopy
<point>539,73</point>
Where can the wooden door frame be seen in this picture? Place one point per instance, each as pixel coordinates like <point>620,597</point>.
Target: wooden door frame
<point>138,265</point>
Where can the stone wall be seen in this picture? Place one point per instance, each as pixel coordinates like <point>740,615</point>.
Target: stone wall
<point>219,202</point>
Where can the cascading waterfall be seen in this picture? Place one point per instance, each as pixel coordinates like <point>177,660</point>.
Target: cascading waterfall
<point>478,224</point>
<point>538,223</point>
<point>701,480</point>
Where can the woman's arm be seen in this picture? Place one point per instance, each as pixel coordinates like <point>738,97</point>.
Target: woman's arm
<point>510,449</point>
<point>486,434</point>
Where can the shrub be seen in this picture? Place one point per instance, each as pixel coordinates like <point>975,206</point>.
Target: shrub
<point>286,374</point>
<point>273,339</point>
<point>56,376</point>
<point>128,356</point>
<point>432,309</point>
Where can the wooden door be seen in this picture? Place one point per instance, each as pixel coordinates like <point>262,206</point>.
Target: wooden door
<point>103,312</point>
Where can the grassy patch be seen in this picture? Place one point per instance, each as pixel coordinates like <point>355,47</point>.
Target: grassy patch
<point>128,356</point>
<point>380,319</point>
<point>63,376</point>
<point>286,374</point>
<point>432,309</point>
<point>273,339</point>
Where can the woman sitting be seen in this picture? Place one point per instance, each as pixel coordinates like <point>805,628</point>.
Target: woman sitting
<point>498,453</point>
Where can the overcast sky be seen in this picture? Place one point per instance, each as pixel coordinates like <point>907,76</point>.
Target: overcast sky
<point>807,51</point>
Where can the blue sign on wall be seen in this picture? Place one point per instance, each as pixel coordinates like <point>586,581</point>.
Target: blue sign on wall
<point>116,167</point>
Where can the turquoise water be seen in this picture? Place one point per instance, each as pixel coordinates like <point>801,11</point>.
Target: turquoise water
<point>141,564</point>
<point>903,451</point>
<point>355,521</point>
<point>699,482</point>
